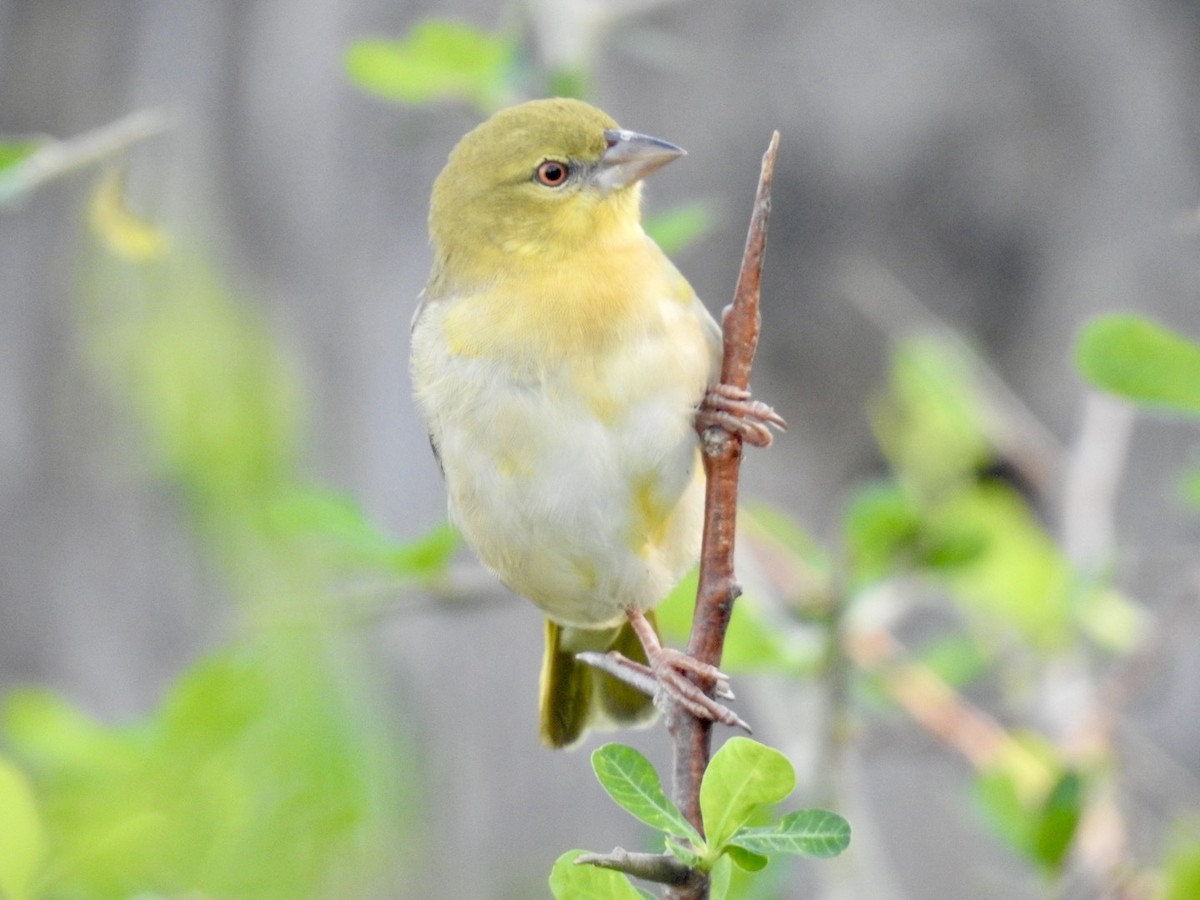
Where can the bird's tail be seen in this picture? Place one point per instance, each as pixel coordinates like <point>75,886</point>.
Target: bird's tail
<point>576,696</point>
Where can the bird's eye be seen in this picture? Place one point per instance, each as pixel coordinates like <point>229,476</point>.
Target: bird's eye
<point>552,173</point>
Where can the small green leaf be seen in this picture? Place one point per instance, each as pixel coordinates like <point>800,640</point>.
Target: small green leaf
<point>1057,820</point>
<point>956,659</point>
<point>746,860</point>
<point>631,781</point>
<point>1110,618</point>
<point>14,183</point>
<point>1141,360</point>
<point>335,529</point>
<point>684,852</point>
<point>1181,872</point>
<point>720,877</point>
<point>119,229</point>
<point>13,152</point>
<point>882,528</point>
<point>22,840</point>
<point>807,832</point>
<point>742,776</point>
<point>1018,577</point>
<point>676,228</point>
<point>569,881</point>
<point>1031,799</point>
<point>929,424</point>
<point>439,59</point>
<point>569,82</point>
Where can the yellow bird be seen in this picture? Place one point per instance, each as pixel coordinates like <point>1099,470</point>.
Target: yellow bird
<point>559,360</point>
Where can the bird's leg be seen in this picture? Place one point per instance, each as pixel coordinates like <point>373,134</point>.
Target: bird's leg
<point>731,408</point>
<point>666,678</point>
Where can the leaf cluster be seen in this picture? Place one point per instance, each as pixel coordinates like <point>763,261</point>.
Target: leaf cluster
<point>744,780</point>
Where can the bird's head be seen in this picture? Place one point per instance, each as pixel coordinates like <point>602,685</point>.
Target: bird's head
<point>536,182</point>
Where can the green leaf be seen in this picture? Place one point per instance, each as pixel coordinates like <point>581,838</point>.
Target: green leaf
<point>801,565</point>
<point>631,781</point>
<point>1057,820</point>
<point>720,877</point>
<point>746,860</point>
<point>569,82</point>
<point>122,232</point>
<point>1181,873</point>
<point>335,529</point>
<point>439,60</point>
<point>1031,799</point>
<point>256,756</point>
<point>1110,618</point>
<point>14,152</point>
<point>676,228</point>
<point>882,528</point>
<point>1141,360</point>
<point>807,832</point>
<point>1017,576</point>
<point>14,180</point>
<point>742,776</point>
<point>929,424</point>
<point>22,840</point>
<point>569,881</point>
<point>955,659</point>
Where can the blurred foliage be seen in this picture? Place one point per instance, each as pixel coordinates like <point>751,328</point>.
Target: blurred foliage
<point>14,165</point>
<point>677,228</point>
<point>975,537</point>
<point>14,152</point>
<point>1148,364</point>
<point>941,528</point>
<point>260,775</point>
<point>439,60</point>
<point>266,771</point>
<point>1032,800</point>
<point>1141,360</point>
<point>123,232</point>
<point>1181,873</point>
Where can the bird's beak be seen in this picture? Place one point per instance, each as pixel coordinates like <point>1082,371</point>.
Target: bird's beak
<point>629,158</point>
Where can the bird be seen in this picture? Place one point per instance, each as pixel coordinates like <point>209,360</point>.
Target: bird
<point>560,361</point>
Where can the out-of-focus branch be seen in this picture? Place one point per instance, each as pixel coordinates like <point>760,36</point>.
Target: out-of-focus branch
<point>57,158</point>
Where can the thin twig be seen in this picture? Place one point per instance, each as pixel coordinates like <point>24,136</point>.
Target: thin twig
<point>722,454</point>
<point>662,868</point>
<point>55,159</point>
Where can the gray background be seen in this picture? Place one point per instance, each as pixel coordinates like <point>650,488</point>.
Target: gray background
<point>1016,165</point>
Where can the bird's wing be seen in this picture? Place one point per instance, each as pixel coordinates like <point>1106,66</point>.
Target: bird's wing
<point>423,301</point>
<point>716,341</point>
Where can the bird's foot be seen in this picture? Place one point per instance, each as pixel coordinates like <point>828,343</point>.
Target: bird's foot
<point>666,680</point>
<point>672,676</point>
<point>731,408</point>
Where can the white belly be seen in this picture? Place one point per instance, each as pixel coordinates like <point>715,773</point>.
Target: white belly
<point>580,488</point>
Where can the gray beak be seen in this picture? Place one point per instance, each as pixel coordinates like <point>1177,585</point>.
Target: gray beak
<point>630,157</point>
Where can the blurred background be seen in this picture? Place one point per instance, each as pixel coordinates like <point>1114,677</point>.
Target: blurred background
<point>239,654</point>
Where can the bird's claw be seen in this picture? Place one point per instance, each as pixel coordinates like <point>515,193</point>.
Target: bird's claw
<point>731,408</point>
<point>666,680</point>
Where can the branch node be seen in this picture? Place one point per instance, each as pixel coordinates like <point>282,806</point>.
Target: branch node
<point>661,868</point>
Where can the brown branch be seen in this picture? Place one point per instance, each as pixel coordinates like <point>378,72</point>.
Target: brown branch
<point>658,867</point>
<point>722,454</point>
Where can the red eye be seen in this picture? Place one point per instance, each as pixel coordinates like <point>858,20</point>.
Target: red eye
<point>552,173</point>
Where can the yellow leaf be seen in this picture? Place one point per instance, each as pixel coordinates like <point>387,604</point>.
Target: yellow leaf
<point>117,227</point>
